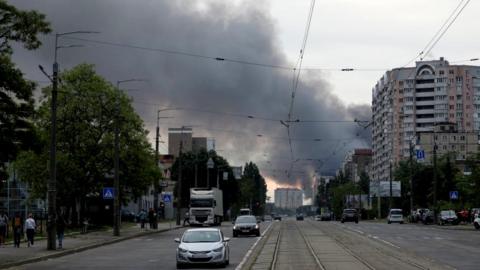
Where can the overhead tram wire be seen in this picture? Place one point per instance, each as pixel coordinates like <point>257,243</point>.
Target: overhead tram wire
<point>296,76</point>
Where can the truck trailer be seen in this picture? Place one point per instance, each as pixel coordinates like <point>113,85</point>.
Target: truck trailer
<point>206,206</point>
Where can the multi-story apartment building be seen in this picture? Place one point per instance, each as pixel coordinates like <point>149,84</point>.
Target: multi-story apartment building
<point>288,198</point>
<point>356,162</point>
<point>409,100</point>
<point>189,143</point>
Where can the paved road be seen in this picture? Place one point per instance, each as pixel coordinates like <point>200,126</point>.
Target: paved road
<point>150,252</point>
<point>457,248</point>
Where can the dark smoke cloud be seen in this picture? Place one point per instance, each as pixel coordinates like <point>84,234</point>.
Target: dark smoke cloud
<point>240,31</point>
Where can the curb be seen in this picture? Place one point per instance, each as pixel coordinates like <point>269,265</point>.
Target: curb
<point>80,249</point>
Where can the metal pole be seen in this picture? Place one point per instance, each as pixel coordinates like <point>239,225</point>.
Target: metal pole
<point>218,178</point>
<point>196,171</point>
<point>116,201</point>
<point>434,180</point>
<point>208,177</point>
<point>179,192</point>
<point>155,185</point>
<point>411,177</point>
<point>52,183</point>
<point>391,191</point>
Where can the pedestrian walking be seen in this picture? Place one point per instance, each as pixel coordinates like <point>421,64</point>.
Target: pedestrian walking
<point>60,229</point>
<point>151,218</point>
<point>142,216</point>
<point>17,230</point>
<point>30,227</point>
<point>186,219</point>
<point>3,227</point>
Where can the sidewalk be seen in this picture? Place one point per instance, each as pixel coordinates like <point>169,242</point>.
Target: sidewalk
<point>10,256</point>
<point>459,227</point>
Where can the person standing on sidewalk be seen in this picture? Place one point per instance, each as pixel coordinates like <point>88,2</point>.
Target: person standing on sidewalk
<point>60,229</point>
<point>30,227</point>
<point>17,230</point>
<point>186,219</point>
<point>151,218</point>
<point>142,216</point>
<point>3,227</point>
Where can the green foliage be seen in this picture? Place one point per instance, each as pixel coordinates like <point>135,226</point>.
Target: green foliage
<point>20,26</point>
<point>253,189</point>
<point>85,141</point>
<point>16,101</point>
<point>338,196</point>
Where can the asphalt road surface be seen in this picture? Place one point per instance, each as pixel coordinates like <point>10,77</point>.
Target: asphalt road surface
<point>155,251</point>
<point>449,246</point>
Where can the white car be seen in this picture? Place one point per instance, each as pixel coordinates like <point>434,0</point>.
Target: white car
<point>476,223</point>
<point>203,246</point>
<point>395,215</point>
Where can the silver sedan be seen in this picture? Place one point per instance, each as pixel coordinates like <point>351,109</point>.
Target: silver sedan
<point>203,246</point>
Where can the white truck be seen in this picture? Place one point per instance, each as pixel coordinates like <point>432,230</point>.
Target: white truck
<point>206,206</point>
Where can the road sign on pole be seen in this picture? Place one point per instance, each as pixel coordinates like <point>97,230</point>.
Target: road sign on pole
<point>108,193</point>
<point>420,154</point>
<point>167,198</point>
<point>453,195</point>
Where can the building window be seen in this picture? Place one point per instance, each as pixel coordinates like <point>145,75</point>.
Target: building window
<point>441,72</point>
<point>452,97</point>
<point>452,107</point>
<point>451,71</point>
<point>462,138</point>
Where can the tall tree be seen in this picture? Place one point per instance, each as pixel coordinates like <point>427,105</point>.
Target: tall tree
<point>16,93</point>
<point>85,140</point>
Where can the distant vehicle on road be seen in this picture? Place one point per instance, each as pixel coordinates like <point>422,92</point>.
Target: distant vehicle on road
<point>267,218</point>
<point>395,215</point>
<point>277,217</point>
<point>203,246</point>
<point>245,212</point>
<point>326,216</point>
<point>299,216</point>
<point>427,217</point>
<point>206,206</point>
<point>318,218</point>
<point>418,214</point>
<point>447,217</point>
<point>349,215</point>
<point>476,223</point>
<point>246,225</point>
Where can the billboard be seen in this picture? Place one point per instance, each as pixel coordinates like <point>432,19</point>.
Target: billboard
<point>384,189</point>
<point>352,201</point>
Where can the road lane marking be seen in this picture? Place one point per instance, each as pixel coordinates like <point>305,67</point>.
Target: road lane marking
<point>247,255</point>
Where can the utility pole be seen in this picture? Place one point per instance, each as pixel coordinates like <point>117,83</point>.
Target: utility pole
<point>391,189</point>
<point>52,183</point>
<point>411,176</point>
<point>179,191</point>
<point>116,160</point>
<point>434,179</point>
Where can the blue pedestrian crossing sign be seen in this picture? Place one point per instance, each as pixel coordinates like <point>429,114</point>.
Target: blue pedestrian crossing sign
<point>167,198</point>
<point>108,193</point>
<point>453,195</point>
<point>420,154</point>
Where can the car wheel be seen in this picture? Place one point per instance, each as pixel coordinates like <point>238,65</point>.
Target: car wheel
<point>389,222</point>
<point>401,222</point>
<point>180,266</point>
<point>477,226</point>
<point>257,233</point>
<point>356,221</point>
<point>235,234</point>
<point>342,221</point>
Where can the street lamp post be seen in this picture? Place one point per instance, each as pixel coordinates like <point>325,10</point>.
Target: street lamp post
<point>52,182</point>
<point>116,201</point>
<point>434,178</point>
<point>210,165</point>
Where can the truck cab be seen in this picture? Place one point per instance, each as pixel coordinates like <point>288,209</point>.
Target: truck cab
<point>206,206</point>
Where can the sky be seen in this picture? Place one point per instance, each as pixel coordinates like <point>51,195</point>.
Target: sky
<point>368,34</point>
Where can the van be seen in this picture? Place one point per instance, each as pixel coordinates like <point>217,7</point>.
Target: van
<point>245,212</point>
<point>395,215</point>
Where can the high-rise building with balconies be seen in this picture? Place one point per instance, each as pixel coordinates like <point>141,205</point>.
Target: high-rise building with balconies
<point>409,100</point>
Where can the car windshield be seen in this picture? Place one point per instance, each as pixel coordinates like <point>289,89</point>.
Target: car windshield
<point>201,203</point>
<point>201,237</point>
<point>349,211</point>
<point>246,219</point>
<point>447,213</point>
<point>395,212</point>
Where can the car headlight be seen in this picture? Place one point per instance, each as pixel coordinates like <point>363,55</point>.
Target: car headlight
<point>256,226</point>
<point>181,250</point>
<point>235,227</point>
<point>220,249</point>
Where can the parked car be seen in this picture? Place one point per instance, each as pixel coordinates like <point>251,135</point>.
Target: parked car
<point>277,217</point>
<point>476,223</point>
<point>246,225</point>
<point>300,216</point>
<point>447,217</point>
<point>349,215</point>
<point>326,216</point>
<point>427,217</point>
<point>203,246</point>
<point>418,214</point>
<point>395,215</point>
<point>128,215</point>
